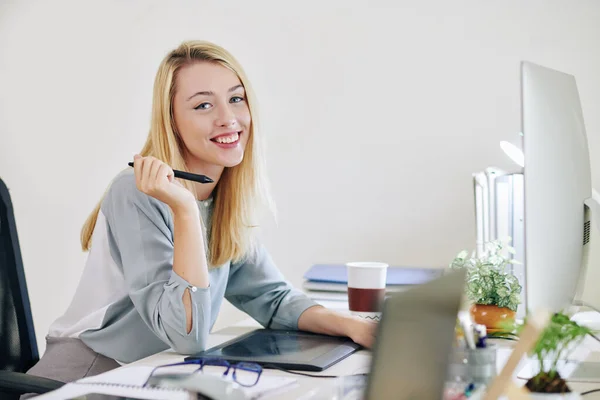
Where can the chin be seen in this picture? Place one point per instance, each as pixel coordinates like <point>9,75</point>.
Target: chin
<point>231,161</point>
<point>230,165</point>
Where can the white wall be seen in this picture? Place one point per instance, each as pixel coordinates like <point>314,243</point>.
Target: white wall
<point>376,115</point>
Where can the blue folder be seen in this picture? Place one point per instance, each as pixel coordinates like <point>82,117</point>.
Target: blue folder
<point>337,273</point>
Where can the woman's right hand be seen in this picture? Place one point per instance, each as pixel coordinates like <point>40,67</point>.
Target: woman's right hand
<point>157,179</point>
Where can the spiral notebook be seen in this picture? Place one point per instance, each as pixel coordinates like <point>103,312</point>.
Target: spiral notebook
<point>127,382</point>
<point>124,382</point>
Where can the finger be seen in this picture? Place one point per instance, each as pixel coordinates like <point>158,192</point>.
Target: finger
<point>155,167</point>
<point>164,171</point>
<point>147,166</point>
<point>137,169</point>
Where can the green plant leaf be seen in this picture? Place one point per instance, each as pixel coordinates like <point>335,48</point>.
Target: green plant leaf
<point>487,279</point>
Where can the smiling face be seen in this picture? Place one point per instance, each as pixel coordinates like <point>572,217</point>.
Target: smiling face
<point>212,116</point>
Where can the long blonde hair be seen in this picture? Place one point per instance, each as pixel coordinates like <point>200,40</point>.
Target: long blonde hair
<point>240,191</point>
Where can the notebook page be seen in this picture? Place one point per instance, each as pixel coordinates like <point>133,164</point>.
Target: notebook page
<point>130,380</point>
<point>74,390</point>
<point>134,375</point>
<point>137,375</point>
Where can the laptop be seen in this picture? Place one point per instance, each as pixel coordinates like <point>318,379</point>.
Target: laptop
<point>414,340</point>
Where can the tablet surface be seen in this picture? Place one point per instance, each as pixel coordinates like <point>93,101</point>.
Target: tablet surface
<point>303,351</point>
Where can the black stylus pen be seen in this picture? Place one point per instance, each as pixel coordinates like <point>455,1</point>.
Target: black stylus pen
<point>188,176</point>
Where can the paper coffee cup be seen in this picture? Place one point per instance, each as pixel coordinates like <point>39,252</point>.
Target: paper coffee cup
<point>366,288</point>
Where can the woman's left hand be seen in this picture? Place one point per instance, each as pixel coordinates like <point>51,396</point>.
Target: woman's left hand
<point>319,319</point>
<point>361,331</point>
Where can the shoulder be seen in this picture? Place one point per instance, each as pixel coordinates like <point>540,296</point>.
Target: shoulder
<point>123,187</point>
<point>123,194</point>
<point>124,180</point>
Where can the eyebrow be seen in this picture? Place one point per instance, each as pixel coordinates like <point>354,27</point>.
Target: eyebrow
<point>211,93</point>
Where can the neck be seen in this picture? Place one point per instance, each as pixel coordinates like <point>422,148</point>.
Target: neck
<point>204,190</point>
<point>214,172</point>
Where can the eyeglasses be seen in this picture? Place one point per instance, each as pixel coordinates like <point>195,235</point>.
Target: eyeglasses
<point>245,374</point>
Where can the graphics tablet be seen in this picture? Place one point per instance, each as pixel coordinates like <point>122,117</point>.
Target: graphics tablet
<point>297,350</point>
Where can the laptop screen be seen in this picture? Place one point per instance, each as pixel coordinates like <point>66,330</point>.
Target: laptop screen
<point>414,340</point>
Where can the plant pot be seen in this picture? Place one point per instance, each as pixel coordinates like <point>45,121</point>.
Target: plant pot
<point>555,396</point>
<point>539,386</point>
<point>493,317</point>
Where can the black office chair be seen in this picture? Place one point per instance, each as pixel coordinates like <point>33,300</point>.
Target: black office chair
<point>18,346</point>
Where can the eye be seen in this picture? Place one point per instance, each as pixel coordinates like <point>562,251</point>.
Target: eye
<point>236,99</point>
<point>203,106</point>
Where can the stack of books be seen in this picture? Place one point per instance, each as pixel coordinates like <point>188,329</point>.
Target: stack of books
<point>328,283</point>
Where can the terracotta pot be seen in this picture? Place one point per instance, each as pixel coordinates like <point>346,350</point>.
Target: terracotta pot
<point>491,316</point>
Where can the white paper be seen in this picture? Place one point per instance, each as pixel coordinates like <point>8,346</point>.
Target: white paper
<point>128,381</point>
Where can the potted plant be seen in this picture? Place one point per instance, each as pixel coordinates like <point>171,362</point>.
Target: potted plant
<point>556,342</point>
<point>493,291</point>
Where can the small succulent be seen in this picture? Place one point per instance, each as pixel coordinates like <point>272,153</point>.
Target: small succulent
<point>488,281</point>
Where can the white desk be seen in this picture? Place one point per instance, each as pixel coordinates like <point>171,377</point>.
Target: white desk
<point>356,363</point>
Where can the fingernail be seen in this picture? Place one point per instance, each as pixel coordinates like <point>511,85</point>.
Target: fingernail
<point>136,156</point>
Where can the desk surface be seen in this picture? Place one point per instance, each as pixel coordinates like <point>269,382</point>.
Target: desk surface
<point>357,363</point>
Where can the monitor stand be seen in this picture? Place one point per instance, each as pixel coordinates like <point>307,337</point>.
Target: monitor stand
<point>585,313</point>
<point>570,368</point>
<point>590,319</point>
<point>586,371</point>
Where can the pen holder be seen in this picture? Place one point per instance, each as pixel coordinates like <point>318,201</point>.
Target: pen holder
<point>473,365</point>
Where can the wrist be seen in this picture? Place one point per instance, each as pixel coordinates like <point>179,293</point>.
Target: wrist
<point>187,209</point>
<point>342,324</point>
<point>347,324</point>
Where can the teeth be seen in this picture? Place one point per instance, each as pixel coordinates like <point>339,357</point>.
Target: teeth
<point>228,139</point>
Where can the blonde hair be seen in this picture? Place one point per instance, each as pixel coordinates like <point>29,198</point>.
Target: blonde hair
<point>240,190</point>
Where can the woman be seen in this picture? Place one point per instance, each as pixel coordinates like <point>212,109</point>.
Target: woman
<point>163,253</point>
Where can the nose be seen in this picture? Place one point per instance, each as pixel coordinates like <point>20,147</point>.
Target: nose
<point>226,118</point>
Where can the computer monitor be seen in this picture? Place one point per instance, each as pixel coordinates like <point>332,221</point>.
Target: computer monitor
<point>557,188</point>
